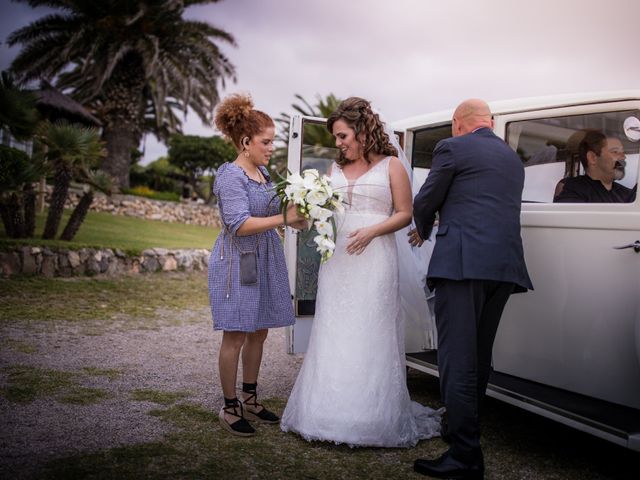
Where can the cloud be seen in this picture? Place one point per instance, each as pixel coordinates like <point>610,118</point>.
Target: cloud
<point>414,56</point>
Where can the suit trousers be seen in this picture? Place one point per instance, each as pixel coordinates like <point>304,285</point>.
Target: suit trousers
<point>467,316</point>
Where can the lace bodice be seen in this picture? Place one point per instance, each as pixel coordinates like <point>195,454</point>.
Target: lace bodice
<point>369,193</point>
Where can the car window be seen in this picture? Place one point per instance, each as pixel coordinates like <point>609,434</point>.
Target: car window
<point>424,141</point>
<point>549,149</point>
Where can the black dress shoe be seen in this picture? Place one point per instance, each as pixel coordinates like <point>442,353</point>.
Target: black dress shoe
<point>448,467</point>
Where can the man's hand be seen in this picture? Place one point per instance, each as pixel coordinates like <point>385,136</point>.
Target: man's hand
<point>414,238</point>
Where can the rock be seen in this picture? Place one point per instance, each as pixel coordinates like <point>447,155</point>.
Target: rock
<point>168,263</point>
<point>74,259</point>
<point>9,264</point>
<point>29,266</point>
<point>48,268</point>
<point>150,264</point>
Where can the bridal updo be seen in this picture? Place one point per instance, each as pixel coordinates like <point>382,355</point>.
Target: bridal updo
<point>357,113</point>
<point>236,118</point>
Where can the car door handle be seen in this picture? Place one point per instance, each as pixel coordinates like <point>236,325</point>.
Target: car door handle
<point>635,245</point>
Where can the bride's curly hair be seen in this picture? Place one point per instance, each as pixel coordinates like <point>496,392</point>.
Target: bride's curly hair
<point>236,118</point>
<point>358,114</point>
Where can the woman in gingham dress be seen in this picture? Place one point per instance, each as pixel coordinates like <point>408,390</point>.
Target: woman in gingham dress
<point>249,214</point>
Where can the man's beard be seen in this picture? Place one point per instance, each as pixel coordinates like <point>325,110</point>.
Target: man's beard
<point>618,170</point>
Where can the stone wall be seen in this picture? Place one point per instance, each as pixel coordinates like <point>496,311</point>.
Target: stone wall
<point>89,261</point>
<point>191,213</point>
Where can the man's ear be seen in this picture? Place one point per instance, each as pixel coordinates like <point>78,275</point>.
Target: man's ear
<point>591,157</point>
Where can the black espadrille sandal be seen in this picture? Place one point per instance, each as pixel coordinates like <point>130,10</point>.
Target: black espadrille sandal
<point>253,410</point>
<point>240,427</point>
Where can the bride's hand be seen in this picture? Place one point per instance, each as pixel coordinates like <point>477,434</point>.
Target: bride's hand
<point>360,238</point>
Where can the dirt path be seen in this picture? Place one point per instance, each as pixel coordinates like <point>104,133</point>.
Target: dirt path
<point>169,359</point>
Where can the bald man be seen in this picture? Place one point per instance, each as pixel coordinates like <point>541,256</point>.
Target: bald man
<point>475,185</point>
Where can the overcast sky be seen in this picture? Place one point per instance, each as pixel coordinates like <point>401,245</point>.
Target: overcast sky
<point>411,56</point>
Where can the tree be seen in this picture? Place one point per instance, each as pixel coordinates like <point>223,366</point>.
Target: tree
<point>322,109</point>
<point>19,117</point>
<point>134,63</point>
<point>18,113</point>
<point>317,137</point>
<point>17,197</point>
<point>71,151</point>
<point>196,155</point>
<point>93,180</point>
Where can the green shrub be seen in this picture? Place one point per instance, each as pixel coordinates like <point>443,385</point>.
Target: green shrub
<point>16,168</point>
<point>144,191</point>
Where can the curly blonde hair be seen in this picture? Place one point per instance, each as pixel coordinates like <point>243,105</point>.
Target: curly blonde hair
<point>236,118</point>
<point>357,113</point>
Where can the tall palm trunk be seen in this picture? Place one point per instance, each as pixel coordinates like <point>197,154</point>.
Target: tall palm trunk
<point>12,217</point>
<point>77,217</point>
<point>123,114</point>
<point>5,214</point>
<point>61,181</point>
<point>29,199</point>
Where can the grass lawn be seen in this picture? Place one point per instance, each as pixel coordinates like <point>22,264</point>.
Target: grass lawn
<point>98,304</point>
<point>130,234</point>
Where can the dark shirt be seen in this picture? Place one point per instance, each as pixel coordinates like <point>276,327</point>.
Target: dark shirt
<point>584,189</point>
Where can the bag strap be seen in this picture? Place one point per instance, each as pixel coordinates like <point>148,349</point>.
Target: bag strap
<point>235,242</point>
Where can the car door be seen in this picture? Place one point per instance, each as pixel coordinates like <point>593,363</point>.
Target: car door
<point>579,330</point>
<point>310,146</point>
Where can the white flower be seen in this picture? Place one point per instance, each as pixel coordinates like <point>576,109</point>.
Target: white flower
<point>324,244</point>
<point>319,213</point>
<point>337,205</point>
<point>295,179</point>
<point>324,228</point>
<point>317,197</point>
<point>296,193</point>
<point>311,179</point>
<point>316,200</point>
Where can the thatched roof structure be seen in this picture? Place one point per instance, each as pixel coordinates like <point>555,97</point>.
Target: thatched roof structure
<point>55,105</point>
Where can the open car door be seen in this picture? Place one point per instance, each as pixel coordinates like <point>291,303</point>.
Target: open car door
<point>310,146</point>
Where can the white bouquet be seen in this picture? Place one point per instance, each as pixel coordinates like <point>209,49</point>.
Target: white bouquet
<point>316,200</point>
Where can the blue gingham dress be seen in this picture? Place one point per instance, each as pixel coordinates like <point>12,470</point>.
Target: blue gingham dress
<point>247,308</point>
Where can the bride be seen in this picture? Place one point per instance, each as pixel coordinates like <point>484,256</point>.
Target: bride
<point>352,387</point>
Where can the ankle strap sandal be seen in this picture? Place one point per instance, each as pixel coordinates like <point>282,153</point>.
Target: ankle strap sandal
<point>254,410</point>
<point>240,427</point>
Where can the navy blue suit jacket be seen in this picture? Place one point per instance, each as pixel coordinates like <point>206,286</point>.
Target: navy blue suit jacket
<point>475,184</point>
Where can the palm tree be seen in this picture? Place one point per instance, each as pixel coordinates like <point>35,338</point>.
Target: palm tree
<point>70,149</point>
<point>19,118</point>
<point>17,197</point>
<point>18,113</point>
<point>93,180</point>
<point>135,63</point>
<point>323,108</point>
<point>317,137</point>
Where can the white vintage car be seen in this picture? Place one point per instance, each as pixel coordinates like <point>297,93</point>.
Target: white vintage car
<point>570,349</point>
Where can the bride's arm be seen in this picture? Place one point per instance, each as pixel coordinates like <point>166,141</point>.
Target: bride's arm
<point>402,206</point>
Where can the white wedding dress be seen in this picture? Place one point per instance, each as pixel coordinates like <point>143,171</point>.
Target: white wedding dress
<point>351,387</point>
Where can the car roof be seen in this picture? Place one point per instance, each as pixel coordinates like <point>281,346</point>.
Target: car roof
<point>523,105</point>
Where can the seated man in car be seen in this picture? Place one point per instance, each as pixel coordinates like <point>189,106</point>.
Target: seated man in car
<point>603,160</point>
